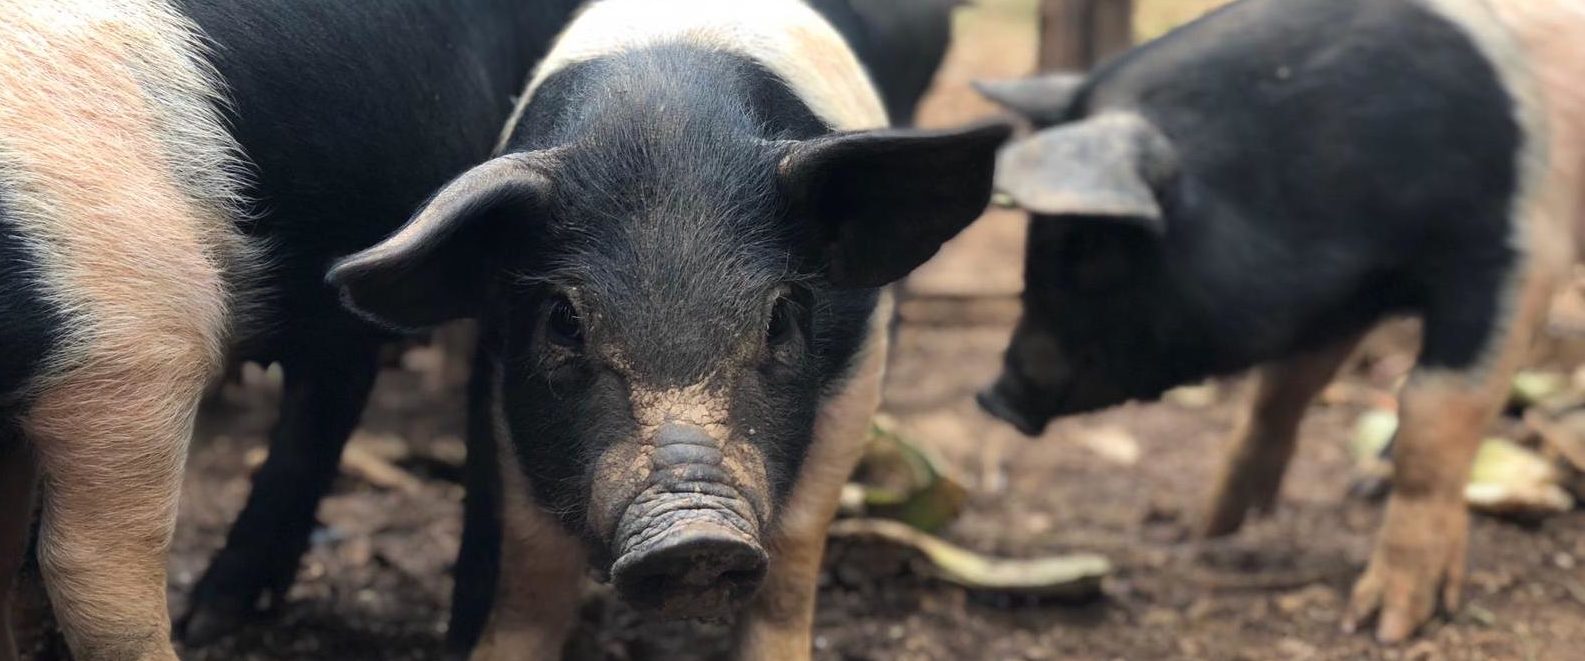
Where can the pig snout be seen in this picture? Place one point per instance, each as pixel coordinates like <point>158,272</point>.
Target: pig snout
<point>688,545</point>
<point>1008,400</point>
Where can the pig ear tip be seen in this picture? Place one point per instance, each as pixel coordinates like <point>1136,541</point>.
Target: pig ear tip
<point>987,86</point>
<point>340,271</point>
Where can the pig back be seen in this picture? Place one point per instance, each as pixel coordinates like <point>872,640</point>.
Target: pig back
<point>1549,51</point>
<point>1319,123</point>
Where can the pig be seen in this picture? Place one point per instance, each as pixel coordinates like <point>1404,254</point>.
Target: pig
<point>1263,185</point>
<point>173,184</point>
<point>676,266</point>
<point>119,265</point>
<point>901,43</point>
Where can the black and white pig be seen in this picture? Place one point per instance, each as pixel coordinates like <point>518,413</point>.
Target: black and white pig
<point>676,267</point>
<point>175,178</point>
<point>901,43</point>
<point>1261,187</point>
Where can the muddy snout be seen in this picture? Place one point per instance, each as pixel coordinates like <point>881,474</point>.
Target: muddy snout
<point>1008,400</point>
<point>688,545</point>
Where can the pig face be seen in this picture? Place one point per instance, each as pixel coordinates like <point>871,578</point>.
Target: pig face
<point>666,300</point>
<point>1102,314</point>
<point>1102,324</point>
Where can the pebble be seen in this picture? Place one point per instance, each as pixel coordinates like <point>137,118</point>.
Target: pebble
<point>1293,648</point>
<point>1563,561</point>
<point>1159,617</point>
<point>1304,600</point>
<point>1424,650</point>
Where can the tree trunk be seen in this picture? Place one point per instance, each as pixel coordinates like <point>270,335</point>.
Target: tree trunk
<point>1075,34</point>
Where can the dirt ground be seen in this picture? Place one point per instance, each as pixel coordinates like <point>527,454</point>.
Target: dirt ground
<point>375,584</point>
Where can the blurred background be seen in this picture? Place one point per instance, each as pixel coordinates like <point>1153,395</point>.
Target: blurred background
<point>1124,484</point>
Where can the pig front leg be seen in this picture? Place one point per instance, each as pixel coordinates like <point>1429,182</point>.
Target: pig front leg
<point>324,396</point>
<point>779,624</point>
<point>17,475</point>
<point>519,576</point>
<point>1419,558</point>
<point>1260,449</point>
<point>541,573</point>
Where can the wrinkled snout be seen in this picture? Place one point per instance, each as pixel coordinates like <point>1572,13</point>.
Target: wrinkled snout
<point>1009,400</point>
<point>699,569</point>
<point>688,545</point>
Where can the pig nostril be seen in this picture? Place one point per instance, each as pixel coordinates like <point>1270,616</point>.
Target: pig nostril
<point>696,575</point>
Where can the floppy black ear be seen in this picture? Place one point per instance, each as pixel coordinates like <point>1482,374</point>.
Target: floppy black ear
<point>1044,99</point>
<point>884,201</point>
<point>438,266</point>
<point>1108,167</point>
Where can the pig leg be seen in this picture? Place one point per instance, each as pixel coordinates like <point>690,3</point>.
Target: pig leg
<point>541,570</point>
<point>519,575</point>
<point>1263,444</point>
<point>323,399</point>
<point>111,440</point>
<point>17,474</point>
<point>779,624</point>
<point>1419,558</point>
<point>478,567</point>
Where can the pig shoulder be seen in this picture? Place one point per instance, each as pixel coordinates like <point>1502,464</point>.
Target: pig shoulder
<point>353,112</point>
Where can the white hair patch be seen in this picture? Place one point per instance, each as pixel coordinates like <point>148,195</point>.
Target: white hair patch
<point>787,37</point>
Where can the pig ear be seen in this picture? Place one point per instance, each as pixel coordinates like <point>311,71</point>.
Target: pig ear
<point>1043,99</point>
<point>1109,166</point>
<point>437,267</point>
<point>884,201</point>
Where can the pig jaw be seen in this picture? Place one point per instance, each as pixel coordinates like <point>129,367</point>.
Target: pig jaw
<point>1038,382</point>
<point>686,543</point>
<point>1007,400</point>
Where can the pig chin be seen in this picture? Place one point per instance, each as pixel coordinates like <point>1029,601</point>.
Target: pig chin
<point>1030,408</point>
<point>687,544</point>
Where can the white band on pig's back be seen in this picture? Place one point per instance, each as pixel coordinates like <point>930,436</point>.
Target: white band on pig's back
<point>127,211</point>
<point>787,37</point>
<point>1546,204</point>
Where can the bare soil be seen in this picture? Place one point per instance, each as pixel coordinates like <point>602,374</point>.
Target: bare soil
<point>375,584</point>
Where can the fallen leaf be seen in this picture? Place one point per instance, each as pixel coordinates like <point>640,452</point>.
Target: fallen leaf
<point>900,480</point>
<point>1531,387</point>
<point>1372,433</point>
<point>1508,479</point>
<point>1076,576</point>
<point>1563,432</point>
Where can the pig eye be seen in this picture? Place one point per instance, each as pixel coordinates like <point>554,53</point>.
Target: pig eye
<point>783,322</point>
<point>562,325</point>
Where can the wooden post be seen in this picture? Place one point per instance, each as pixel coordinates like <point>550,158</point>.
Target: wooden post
<point>1075,34</point>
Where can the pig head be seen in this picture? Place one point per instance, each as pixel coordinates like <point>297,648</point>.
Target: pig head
<point>666,302</point>
<point>1092,329</point>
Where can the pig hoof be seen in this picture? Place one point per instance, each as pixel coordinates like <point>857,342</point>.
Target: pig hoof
<point>216,613</point>
<point>211,621</point>
<point>1418,564</point>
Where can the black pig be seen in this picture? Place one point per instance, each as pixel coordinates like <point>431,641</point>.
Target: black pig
<point>1261,187</point>
<point>676,268</point>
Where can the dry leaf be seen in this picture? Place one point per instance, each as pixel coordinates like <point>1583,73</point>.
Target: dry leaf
<point>1074,576</point>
